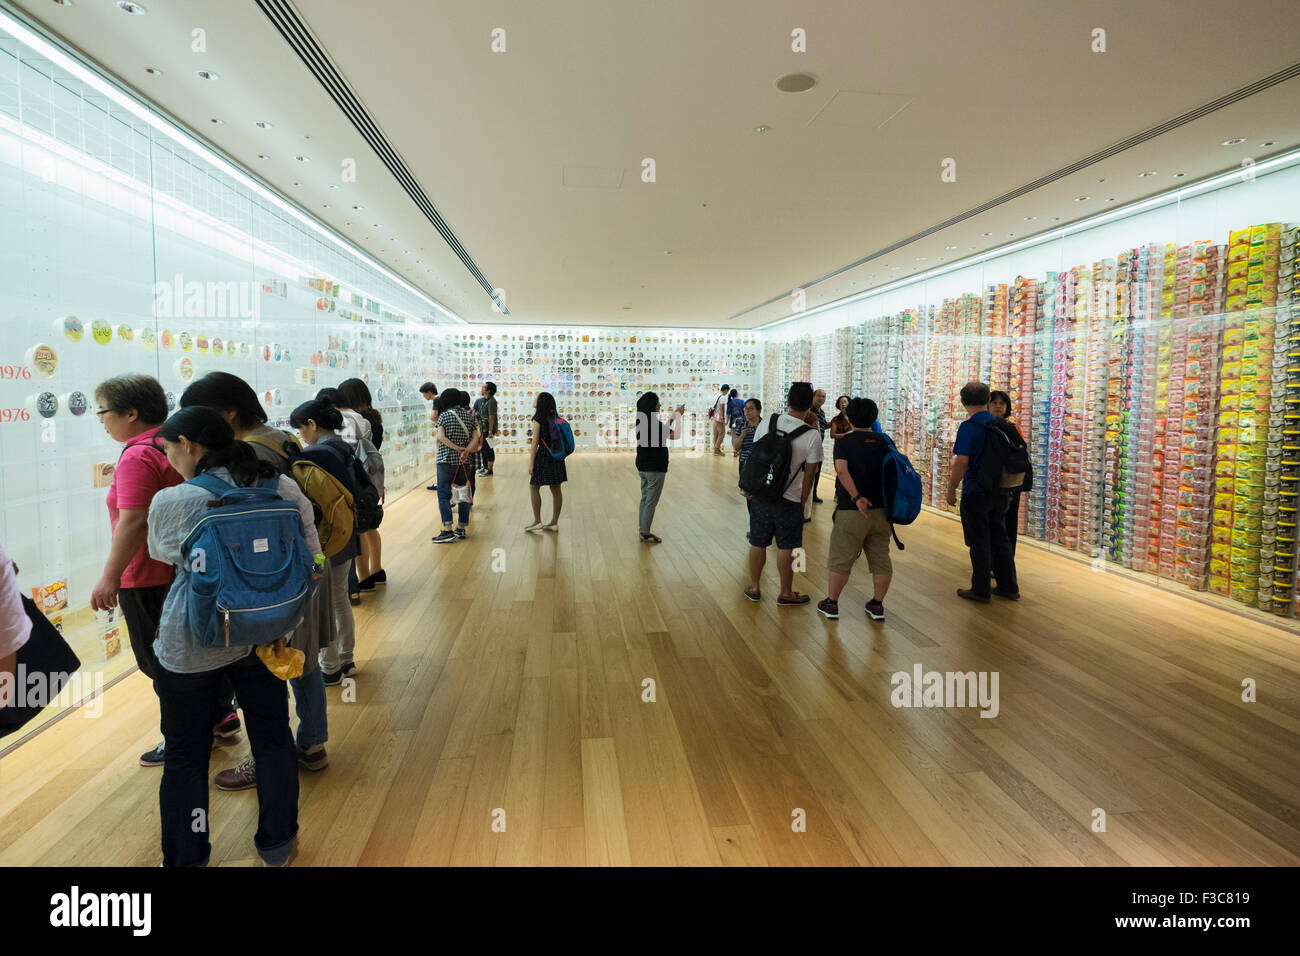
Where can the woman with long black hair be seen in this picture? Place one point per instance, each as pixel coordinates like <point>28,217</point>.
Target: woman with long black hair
<point>1000,407</point>
<point>370,561</point>
<point>652,437</point>
<point>543,467</point>
<point>199,441</point>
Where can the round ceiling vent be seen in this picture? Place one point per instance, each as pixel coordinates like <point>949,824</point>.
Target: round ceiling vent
<point>796,82</point>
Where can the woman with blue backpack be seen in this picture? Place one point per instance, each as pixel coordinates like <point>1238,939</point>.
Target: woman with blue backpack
<point>219,612</point>
<point>550,444</point>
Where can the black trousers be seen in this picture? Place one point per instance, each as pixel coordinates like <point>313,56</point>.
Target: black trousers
<point>984,525</point>
<point>1013,519</point>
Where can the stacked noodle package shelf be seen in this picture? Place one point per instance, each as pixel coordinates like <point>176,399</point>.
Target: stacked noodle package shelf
<point>1094,399</point>
<point>1285,464</point>
<point>1200,413</point>
<point>1117,519</point>
<point>1024,315</point>
<point>1041,406</point>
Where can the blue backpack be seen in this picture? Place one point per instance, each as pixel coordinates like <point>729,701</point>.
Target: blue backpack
<point>250,570</point>
<point>902,487</point>
<point>567,444</point>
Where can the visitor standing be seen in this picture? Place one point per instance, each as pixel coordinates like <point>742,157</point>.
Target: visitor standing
<point>459,439</point>
<point>840,423</point>
<point>718,416</point>
<point>544,469</point>
<point>780,519</point>
<point>131,409</point>
<point>429,392</point>
<point>652,437</point>
<point>983,513</point>
<point>485,408</point>
<point>1000,407</point>
<point>859,522</point>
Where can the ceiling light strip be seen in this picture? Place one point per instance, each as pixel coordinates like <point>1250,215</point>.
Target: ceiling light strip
<point>1122,212</point>
<point>296,33</point>
<point>1281,76</point>
<point>36,40</point>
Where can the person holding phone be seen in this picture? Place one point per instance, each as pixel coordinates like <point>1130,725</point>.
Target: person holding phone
<point>652,437</point>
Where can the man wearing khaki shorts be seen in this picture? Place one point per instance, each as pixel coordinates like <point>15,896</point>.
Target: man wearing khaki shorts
<point>859,522</point>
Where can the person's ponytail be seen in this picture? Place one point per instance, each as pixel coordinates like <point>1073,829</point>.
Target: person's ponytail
<point>206,428</point>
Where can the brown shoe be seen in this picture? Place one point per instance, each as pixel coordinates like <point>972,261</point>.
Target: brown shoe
<point>313,761</point>
<point>243,777</point>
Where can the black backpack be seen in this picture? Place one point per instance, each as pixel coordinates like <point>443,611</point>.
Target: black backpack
<point>765,473</point>
<point>370,513</point>
<point>1004,463</point>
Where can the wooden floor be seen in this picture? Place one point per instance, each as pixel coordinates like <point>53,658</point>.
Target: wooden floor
<point>519,690</point>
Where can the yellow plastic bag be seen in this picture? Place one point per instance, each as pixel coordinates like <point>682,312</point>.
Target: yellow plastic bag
<point>284,662</point>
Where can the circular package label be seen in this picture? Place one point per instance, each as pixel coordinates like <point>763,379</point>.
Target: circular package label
<point>186,341</point>
<point>45,361</point>
<point>201,343</point>
<point>149,339</point>
<point>171,401</point>
<point>245,350</point>
<point>77,403</point>
<point>166,339</point>
<point>125,332</point>
<point>101,331</point>
<point>266,353</point>
<point>47,404</point>
<point>184,369</point>
<point>275,396</point>
<point>72,328</point>
<point>217,346</point>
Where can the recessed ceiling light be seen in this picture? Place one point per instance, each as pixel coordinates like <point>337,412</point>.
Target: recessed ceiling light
<point>1030,218</point>
<point>263,156</point>
<point>951,247</point>
<point>1147,172</point>
<point>1111,199</point>
<point>302,159</point>
<point>668,252</point>
<point>1179,175</point>
<point>64,3</point>
<point>1235,141</point>
<point>762,129</point>
<point>334,185</point>
<point>263,124</point>
<point>986,235</point>
<point>376,225</point>
<point>153,71</point>
<point>217,122</point>
<point>1101,180</point>
<point>1011,234</point>
<point>297,184</point>
<point>796,82</point>
<point>356,207</point>
<point>131,7</point>
<point>920,258</point>
<point>1267,142</point>
<point>208,75</point>
<point>1082,198</point>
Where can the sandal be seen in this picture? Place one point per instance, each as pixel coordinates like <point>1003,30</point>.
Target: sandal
<point>754,596</point>
<point>652,539</point>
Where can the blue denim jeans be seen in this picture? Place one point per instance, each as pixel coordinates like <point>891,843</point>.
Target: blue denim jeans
<point>447,472</point>
<point>187,702</point>
<point>309,702</point>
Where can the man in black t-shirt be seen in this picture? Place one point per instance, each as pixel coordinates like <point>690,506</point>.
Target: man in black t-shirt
<point>859,521</point>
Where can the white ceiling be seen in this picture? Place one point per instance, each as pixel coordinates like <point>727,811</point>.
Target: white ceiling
<point>533,156</point>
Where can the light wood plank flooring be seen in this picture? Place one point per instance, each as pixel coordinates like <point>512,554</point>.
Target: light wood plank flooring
<point>515,694</point>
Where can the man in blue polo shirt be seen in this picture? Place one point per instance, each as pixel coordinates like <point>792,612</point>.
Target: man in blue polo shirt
<point>983,513</point>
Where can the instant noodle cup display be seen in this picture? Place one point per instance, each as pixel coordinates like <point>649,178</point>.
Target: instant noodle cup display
<point>148,338</point>
<point>101,332</point>
<point>44,361</point>
<point>71,327</point>
<point>124,332</point>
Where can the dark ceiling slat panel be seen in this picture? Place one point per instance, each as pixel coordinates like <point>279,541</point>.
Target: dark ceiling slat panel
<point>295,32</point>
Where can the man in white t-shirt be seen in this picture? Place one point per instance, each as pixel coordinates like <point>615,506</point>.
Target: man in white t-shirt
<point>719,416</point>
<point>783,519</point>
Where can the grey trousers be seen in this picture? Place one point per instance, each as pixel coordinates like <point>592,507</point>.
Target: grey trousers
<point>652,486</point>
<point>334,655</point>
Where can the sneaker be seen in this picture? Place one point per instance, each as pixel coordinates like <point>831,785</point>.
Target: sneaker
<point>460,532</point>
<point>970,595</point>
<point>154,758</point>
<point>445,537</point>
<point>380,577</point>
<point>551,527</point>
<point>806,520</point>
<point>483,472</point>
<point>367,584</point>
<point>332,680</point>
<point>228,726</point>
<point>282,857</point>
<point>348,669</point>
<point>875,610</point>
<point>243,777</point>
<point>313,760</point>
<point>1009,595</point>
<point>535,526</point>
<point>829,609</point>
<point>796,601</point>
<point>433,487</point>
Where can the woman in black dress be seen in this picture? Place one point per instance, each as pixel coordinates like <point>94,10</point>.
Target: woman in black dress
<point>543,467</point>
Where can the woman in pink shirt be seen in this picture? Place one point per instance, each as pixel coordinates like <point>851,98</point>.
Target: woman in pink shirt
<point>131,408</point>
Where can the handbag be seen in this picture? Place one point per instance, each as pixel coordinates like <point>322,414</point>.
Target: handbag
<point>43,666</point>
<point>461,493</point>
